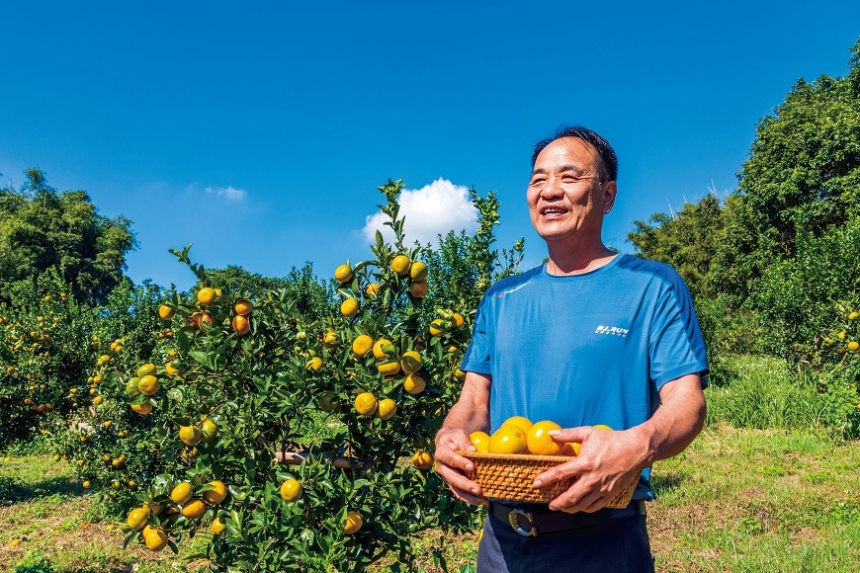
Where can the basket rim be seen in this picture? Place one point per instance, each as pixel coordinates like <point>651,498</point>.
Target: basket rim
<point>514,457</point>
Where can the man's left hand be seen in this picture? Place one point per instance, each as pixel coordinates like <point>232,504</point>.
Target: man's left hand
<point>607,462</point>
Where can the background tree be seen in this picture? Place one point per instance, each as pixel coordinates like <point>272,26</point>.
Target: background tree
<point>42,229</point>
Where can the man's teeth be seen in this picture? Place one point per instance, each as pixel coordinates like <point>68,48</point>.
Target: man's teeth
<point>552,211</point>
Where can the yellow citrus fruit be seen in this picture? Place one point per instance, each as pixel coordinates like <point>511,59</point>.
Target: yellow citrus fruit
<point>181,493</point>
<point>414,383</point>
<point>521,422</point>
<point>419,289</point>
<point>353,523</point>
<point>194,509</point>
<point>172,368</point>
<point>243,307</point>
<point>87,484</point>
<point>459,375</point>
<point>841,335</point>
<point>209,429</point>
<point>508,440</point>
<point>314,364</point>
<point>165,312</point>
<point>366,404</point>
<point>98,399</point>
<point>853,315</point>
<point>371,290</point>
<point>146,370</point>
<point>362,345</point>
<point>198,318</point>
<point>217,526</point>
<point>241,324</point>
<point>481,441</point>
<point>400,264</point>
<point>349,307</point>
<point>411,362</point>
<point>390,368</point>
<point>602,427</point>
<point>148,385</point>
<point>378,351</point>
<point>217,494</point>
<point>291,490</point>
<point>853,346</point>
<point>422,460</point>
<point>436,327</point>
<point>142,409</point>
<point>137,518</point>
<point>155,539</point>
<point>330,338</point>
<point>190,435</point>
<point>457,319</point>
<point>571,449</point>
<point>386,409</point>
<point>418,271</point>
<point>343,274</point>
<point>539,441</point>
<point>206,296</point>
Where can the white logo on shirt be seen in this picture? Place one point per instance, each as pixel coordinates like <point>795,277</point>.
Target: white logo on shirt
<point>515,289</point>
<point>613,330</point>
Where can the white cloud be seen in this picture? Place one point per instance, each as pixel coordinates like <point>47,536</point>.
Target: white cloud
<point>229,193</point>
<point>432,210</point>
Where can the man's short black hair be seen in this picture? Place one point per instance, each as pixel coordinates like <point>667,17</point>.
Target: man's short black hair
<point>608,160</point>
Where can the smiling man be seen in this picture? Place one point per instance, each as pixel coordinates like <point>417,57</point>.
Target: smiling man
<point>591,337</point>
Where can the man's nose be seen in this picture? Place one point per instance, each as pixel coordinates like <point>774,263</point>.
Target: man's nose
<point>551,188</point>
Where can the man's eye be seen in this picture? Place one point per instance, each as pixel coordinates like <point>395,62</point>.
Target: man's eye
<point>537,181</point>
<point>570,179</point>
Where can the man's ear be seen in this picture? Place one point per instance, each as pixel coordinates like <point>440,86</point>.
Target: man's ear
<point>609,189</point>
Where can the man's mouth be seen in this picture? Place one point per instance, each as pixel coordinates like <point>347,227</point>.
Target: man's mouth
<point>549,211</point>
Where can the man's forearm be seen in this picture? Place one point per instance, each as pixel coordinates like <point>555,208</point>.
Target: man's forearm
<point>677,421</point>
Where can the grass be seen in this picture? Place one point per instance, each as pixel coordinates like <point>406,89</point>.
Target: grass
<point>771,490</point>
<point>736,500</point>
<point>48,522</point>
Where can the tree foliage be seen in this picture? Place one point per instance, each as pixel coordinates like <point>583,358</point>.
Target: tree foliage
<point>782,247</point>
<point>42,229</point>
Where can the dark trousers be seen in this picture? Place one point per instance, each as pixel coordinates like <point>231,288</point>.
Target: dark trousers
<point>618,545</point>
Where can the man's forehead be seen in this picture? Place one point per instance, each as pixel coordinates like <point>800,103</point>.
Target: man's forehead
<point>571,151</point>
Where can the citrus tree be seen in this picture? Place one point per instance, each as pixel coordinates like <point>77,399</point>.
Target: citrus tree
<point>296,440</point>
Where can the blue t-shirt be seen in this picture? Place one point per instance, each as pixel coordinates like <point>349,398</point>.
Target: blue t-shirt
<point>587,349</point>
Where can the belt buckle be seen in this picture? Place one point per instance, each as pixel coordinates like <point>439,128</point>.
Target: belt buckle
<point>513,519</point>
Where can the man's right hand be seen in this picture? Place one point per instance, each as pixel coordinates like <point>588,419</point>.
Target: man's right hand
<point>452,467</point>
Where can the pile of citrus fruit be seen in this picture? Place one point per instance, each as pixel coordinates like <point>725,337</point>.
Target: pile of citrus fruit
<point>518,435</point>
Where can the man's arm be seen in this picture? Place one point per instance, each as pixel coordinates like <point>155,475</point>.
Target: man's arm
<point>609,461</point>
<point>470,414</point>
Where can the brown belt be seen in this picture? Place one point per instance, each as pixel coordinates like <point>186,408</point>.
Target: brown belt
<point>529,520</point>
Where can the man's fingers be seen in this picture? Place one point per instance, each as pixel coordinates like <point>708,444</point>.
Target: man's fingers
<point>468,497</point>
<point>450,458</point>
<point>457,480</point>
<point>577,435</point>
<point>589,503</point>
<point>557,473</point>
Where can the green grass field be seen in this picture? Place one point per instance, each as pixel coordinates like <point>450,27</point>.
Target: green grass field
<point>784,498</point>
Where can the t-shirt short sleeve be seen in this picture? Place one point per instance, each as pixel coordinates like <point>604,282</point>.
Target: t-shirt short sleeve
<point>477,357</point>
<point>676,347</point>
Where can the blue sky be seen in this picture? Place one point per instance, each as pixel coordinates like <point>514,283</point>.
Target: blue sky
<point>260,131</point>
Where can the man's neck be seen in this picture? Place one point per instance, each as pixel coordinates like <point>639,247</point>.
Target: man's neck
<point>569,261</point>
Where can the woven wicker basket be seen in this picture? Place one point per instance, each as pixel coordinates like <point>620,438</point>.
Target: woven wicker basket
<point>509,477</point>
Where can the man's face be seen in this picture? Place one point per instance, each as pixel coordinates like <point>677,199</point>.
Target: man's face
<point>566,198</point>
